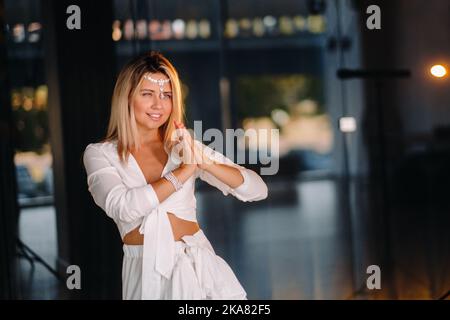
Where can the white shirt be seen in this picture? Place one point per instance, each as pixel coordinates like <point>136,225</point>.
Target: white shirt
<point>121,190</point>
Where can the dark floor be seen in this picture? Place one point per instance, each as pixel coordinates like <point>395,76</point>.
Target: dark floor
<point>37,230</point>
<point>306,241</point>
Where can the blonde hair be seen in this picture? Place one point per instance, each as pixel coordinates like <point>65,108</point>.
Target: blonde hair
<point>122,123</point>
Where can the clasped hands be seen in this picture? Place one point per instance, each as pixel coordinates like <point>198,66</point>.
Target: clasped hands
<point>191,153</point>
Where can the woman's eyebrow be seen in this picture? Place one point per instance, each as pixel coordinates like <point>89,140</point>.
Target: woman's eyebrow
<point>145,89</point>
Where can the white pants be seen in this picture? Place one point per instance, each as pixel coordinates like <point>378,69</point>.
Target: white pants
<point>198,273</point>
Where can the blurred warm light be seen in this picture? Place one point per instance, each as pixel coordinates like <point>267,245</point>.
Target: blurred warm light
<point>37,164</point>
<point>27,103</point>
<point>141,29</point>
<point>286,25</point>
<point>19,32</point>
<point>33,32</point>
<point>166,30</point>
<point>231,28</point>
<point>129,29</point>
<point>262,138</point>
<point>41,97</point>
<point>316,24</point>
<point>204,28</point>
<point>258,27</point>
<point>192,29</point>
<point>116,33</point>
<point>280,117</point>
<point>299,23</point>
<point>305,107</point>
<point>34,26</point>
<point>245,26</point>
<point>16,99</point>
<point>438,71</point>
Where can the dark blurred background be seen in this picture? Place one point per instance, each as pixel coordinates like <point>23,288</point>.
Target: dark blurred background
<point>363,152</point>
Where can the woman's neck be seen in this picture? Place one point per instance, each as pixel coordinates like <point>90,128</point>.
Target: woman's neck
<point>149,136</point>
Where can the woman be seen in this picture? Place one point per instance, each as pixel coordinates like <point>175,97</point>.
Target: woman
<point>143,176</point>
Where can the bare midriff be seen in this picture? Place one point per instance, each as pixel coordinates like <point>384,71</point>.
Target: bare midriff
<point>180,228</point>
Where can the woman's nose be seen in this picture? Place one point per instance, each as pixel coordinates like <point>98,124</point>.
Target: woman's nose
<point>156,104</point>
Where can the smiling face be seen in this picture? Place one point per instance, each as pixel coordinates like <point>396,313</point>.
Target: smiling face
<point>151,108</point>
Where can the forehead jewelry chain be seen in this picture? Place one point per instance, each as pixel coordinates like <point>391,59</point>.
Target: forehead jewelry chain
<point>160,83</point>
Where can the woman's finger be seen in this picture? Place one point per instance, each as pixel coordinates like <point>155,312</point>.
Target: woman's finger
<point>179,124</point>
<point>198,155</point>
<point>186,135</point>
<point>187,156</point>
<point>206,156</point>
<point>178,132</point>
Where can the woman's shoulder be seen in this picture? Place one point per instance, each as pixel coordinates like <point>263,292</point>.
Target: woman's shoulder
<point>99,154</point>
<point>102,144</point>
<point>102,147</point>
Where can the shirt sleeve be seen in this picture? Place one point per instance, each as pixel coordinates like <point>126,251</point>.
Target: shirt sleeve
<point>252,189</point>
<point>110,193</point>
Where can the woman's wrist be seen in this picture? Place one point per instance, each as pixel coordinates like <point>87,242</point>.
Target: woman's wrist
<point>206,166</point>
<point>205,162</point>
<point>184,172</point>
<point>176,183</point>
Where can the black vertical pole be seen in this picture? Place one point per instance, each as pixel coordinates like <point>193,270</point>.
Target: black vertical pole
<point>385,215</point>
<point>387,267</point>
<point>8,193</point>
<point>346,177</point>
<point>80,67</point>
<point>222,16</point>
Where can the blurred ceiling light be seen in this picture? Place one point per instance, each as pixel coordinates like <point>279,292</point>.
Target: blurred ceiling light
<point>347,124</point>
<point>154,29</point>
<point>270,22</point>
<point>158,30</point>
<point>299,23</point>
<point>19,32</point>
<point>33,32</point>
<point>191,29</point>
<point>27,103</point>
<point>141,29</point>
<point>116,32</point>
<point>41,97</point>
<point>316,23</point>
<point>166,30</point>
<point>16,99</point>
<point>178,28</point>
<point>438,71</point>
<point>245,26</point>
<point>204,29</point>
<point>129,29</point>
<point>231,28</point>
<point>286,25</point>
<point>258,27</point>
<point>34,26</point>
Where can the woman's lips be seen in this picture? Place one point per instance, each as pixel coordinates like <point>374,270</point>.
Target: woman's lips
<point>154,116</point>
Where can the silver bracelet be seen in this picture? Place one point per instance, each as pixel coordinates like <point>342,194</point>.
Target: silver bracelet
<point>174,180</point>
